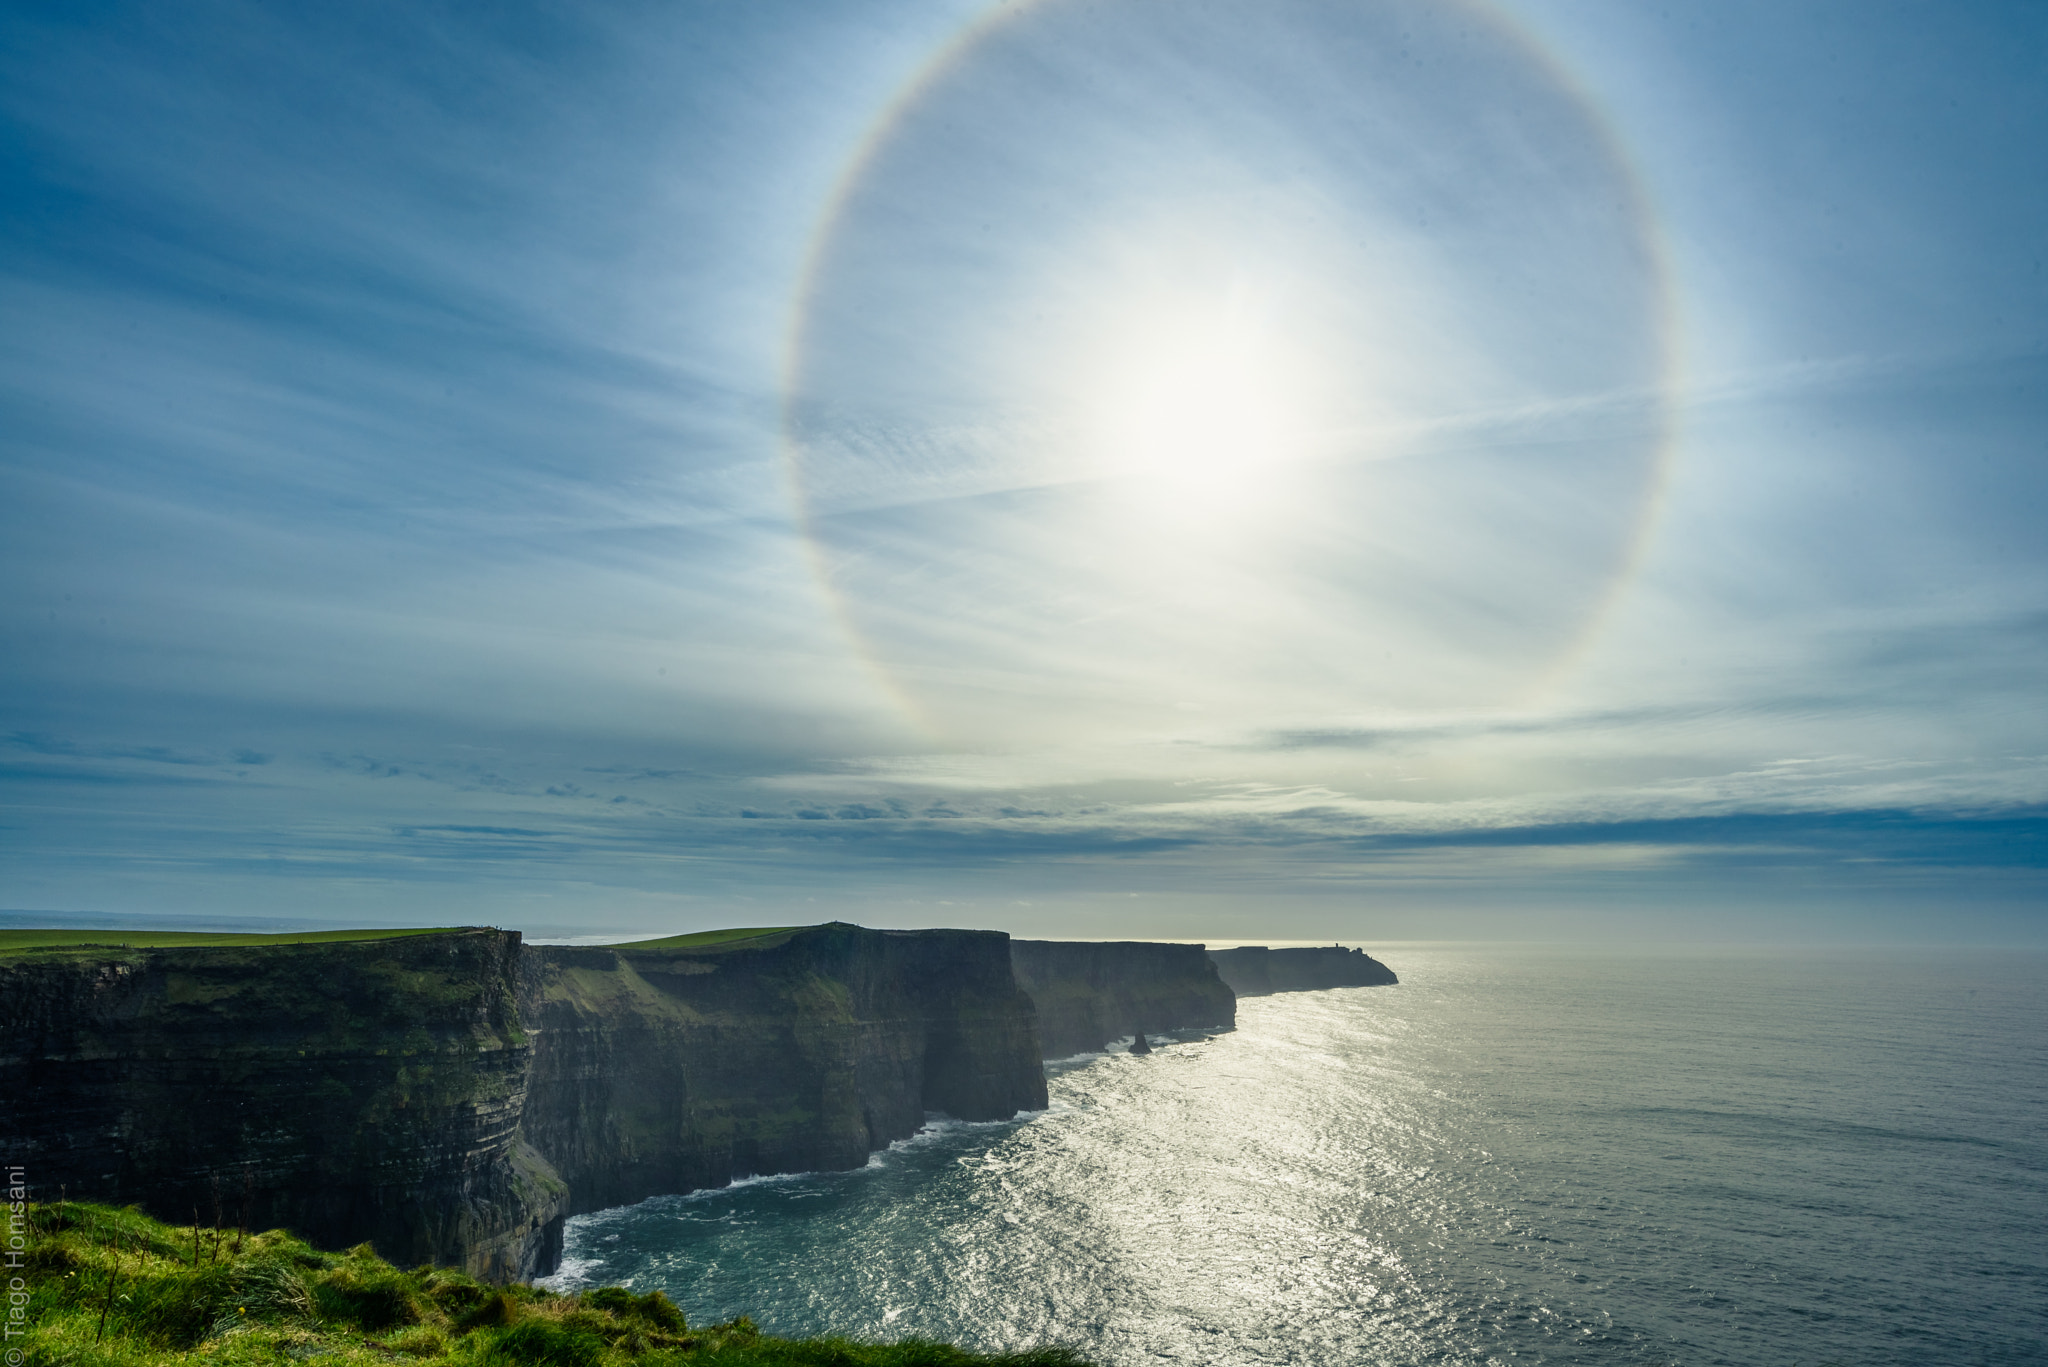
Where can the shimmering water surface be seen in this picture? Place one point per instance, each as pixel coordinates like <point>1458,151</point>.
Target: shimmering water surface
<point>1515,1155</point>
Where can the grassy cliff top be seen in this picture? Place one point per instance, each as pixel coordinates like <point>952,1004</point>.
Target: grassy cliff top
<point>19,941</point>
<point>114,1288</point>
<point>717,941</point>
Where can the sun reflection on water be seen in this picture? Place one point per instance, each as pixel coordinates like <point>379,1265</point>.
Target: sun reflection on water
<point>1510,1155</point>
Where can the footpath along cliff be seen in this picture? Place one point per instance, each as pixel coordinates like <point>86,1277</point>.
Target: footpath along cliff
<point>450,1097</point>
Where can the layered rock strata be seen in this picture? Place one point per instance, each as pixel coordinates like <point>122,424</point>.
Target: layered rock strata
<point>665,1068</point>
<point>1256,971</point>
<point>450,1097</point>
<point>1091,992</point>
<point>356,1091</point>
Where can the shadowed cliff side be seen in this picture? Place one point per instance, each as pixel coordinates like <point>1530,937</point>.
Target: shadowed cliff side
<point>667,1066</point>
<point>351,1091</point>
<point>1256,971</point>
<point>1091,992</point>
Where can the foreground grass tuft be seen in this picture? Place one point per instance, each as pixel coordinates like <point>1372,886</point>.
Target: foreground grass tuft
<point>114,1288</point>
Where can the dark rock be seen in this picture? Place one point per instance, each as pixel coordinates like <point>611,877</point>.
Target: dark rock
<point>404,1091</point>
<point>367,1090</point>
<point>1140,1045</point>
<point>450,1097</point>
<point>1256,971</point>
<point>661,1069</point>
<point>1089,992</point>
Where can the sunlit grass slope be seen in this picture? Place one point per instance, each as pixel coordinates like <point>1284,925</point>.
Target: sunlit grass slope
<point>23,941</point>
<point>750,937</point>
<point>114,1288</point>
<point>58,941</point>
<point>18,941</point>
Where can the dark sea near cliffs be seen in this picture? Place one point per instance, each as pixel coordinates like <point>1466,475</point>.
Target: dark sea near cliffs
<point>1766,1157</point>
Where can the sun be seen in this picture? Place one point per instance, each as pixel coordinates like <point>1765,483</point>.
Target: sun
<point>1200,403</point>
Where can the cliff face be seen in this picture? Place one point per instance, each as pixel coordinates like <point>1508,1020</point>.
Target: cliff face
<point>350,1091</point>
<point>1256,971</point>
<point>450,1097</point>
<point>1091,992</point>
<point>664,1069</point>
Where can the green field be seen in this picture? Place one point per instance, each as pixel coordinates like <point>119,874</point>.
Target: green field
<point>114,1288</point>
<point>16,941</point>
<point>718,939</point>
<point>21,941</point>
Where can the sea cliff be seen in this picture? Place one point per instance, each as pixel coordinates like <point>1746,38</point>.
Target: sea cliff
<point>1089,992</point>
<point>668,1066</point>
<point>450,1097</point>
<point>352,1091</point>
<point>1256,971</point>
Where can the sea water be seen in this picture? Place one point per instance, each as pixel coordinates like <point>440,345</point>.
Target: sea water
<point>1514,1156</point>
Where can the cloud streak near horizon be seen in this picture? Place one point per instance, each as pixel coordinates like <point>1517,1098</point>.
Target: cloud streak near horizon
<point>1233,477</point>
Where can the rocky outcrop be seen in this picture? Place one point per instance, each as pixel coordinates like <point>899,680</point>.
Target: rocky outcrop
<point>1091,992</point>
<point>357,1091</point>
<point>1256,971</point>
<point>669,1067</point>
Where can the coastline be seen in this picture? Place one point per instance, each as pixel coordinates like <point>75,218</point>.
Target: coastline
<point>452,1095</point>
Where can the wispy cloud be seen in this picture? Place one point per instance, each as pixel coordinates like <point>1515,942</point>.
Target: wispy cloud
<point>498,464</point>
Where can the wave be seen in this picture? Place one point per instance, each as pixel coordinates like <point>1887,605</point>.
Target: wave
<point>573,1274</point>
<point>937,1127</point>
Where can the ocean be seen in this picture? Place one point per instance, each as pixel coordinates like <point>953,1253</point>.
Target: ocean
<point>1517,1155</point>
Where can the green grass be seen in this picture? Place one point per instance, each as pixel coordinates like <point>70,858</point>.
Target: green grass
<point>718,939</point>
<point>16,941</point>
<point>20,941</point>
<point>114,1288</point>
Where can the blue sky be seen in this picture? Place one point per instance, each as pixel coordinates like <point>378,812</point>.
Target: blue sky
<point>1381,470</point>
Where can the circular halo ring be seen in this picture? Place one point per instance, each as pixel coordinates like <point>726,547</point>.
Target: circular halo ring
<point>895,112</point>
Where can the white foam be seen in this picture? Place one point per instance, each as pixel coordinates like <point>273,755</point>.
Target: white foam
<point>572,1275</point>
<point>763,1179</point>
<point>1193,1034</point>
<point>937,1127</point>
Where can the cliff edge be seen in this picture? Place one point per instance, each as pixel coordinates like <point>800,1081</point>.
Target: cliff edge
<point>1089,992</point>
<point>452,1096</point>
<point>1256,971</point>
<point>352,1091</point>
<point>668,1066</point>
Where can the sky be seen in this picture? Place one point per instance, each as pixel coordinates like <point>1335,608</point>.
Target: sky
<point>1362,469</point>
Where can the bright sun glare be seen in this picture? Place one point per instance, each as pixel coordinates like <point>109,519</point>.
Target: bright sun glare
<point>1199,406</point>
<point>1114,396</point>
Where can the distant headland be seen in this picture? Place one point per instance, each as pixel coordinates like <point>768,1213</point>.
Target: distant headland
<point>452,1095</point>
